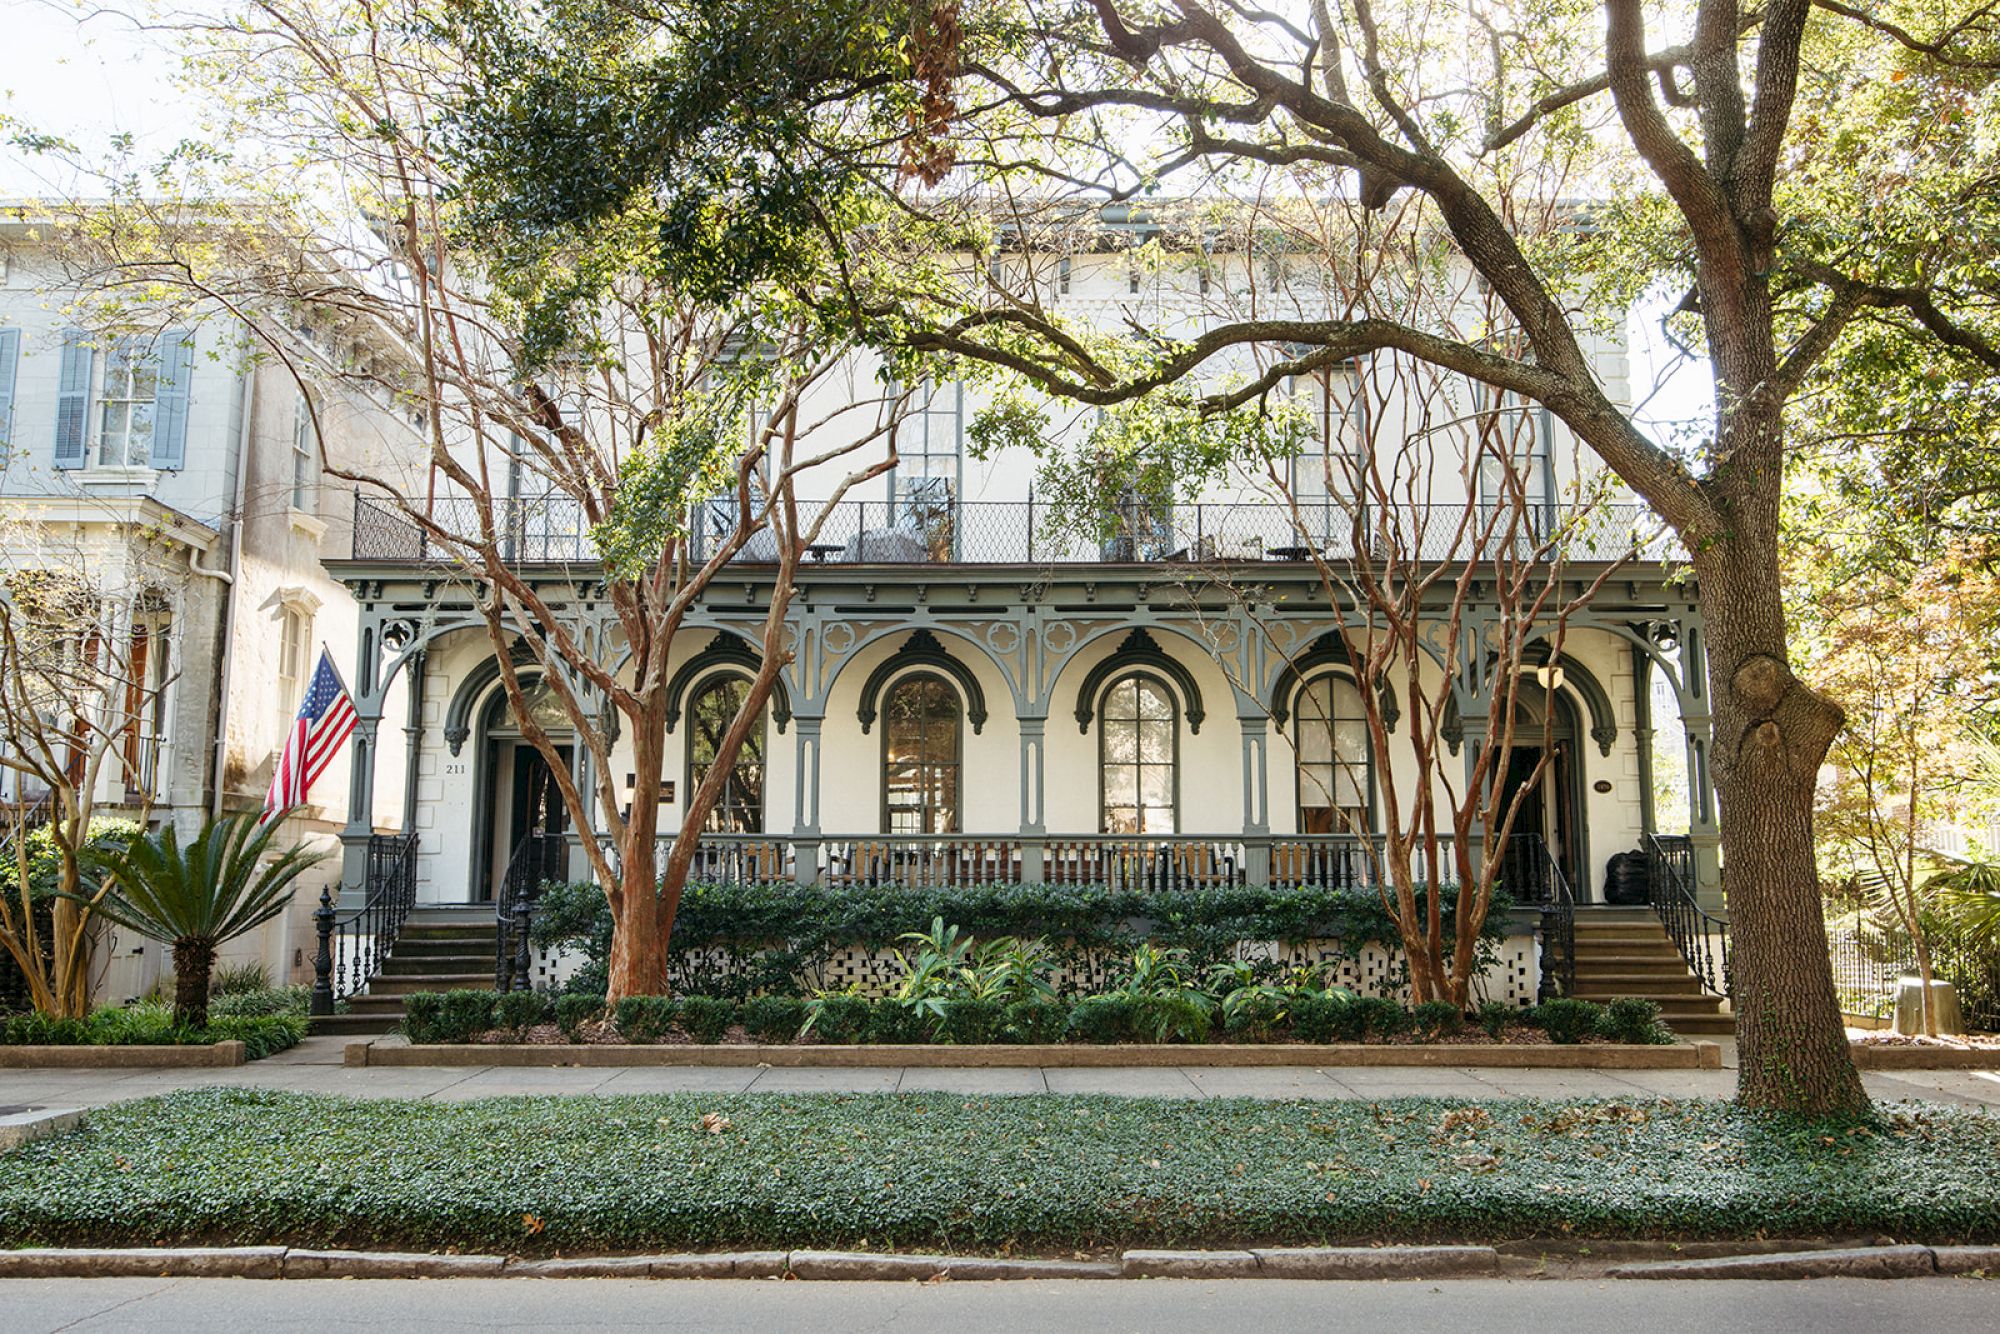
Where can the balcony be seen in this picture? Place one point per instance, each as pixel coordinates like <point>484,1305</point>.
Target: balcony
<point>553,531</point>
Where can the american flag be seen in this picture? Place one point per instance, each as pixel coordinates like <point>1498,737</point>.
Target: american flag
<point>325,719</point>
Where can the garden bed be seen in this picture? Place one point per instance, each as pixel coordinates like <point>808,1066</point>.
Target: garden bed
<point>1902,1051</point>
<point>242,1026</point>
<point>396,1051</point>
<point>1036,1173</point>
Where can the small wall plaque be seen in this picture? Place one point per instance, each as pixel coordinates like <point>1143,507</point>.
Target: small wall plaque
<point>666,791</point>
<point>1602,787</point>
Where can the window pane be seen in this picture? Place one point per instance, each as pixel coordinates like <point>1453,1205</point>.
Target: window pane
<point>1153,701</point>
<point>1156,741</point>
<point>1156,785</point>
<point>1156,820</point>
<point>1121,702</point>
<point>1121,820</point>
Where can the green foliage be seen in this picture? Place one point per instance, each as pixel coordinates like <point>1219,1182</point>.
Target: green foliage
<point>1566,1019</point>
<point>519,1011</point>
<point>251,1004</point>
<point>261,1034</point>
<point>1437,1019</point>
<point>707,1018</point>
<point>971,1022</point>
<point>645,1018</point>
<point>573,1012</point>
<point>151,1024</point>
<point>842,1018</point>
<point>1102,1019</point>
<point>33,1028</point>
<point>1039,1173</point>
<point>421,1012</point>
<point>1035,1021</point>
<point>1632,1020</point>
<point>1494,1016</point>
<point>239,977</point>
<point>448,1016</point>
<point>108,837</point>
<point>893,1023</point>
<point>780,938</point>
<point>774,1018</point>
<point>1373,1017</point>
<point>202,896</point>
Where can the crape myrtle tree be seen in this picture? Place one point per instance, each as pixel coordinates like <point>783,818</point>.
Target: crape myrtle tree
<point>583,394</point>
<point>1684,117</point>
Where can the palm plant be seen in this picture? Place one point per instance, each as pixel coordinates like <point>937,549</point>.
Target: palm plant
<point>201,896</point>
<point>1969,890</point>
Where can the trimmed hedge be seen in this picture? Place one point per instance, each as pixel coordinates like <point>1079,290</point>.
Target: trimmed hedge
<point>745,940</point>
<point>940,1171</point>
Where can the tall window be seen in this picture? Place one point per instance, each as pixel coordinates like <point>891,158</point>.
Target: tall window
<point>294,637</point>
<point>146,670</point>
<point>1138,758</point>
<point>305,455</point>
<point>928,446</point>
<point>1519,437</point>
<point>131,392</point>
<point>920,756</point>
<point>740,807</point>
<point>1333,758</point>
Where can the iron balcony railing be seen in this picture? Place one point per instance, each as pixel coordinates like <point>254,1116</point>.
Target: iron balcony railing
<point>552,530</point>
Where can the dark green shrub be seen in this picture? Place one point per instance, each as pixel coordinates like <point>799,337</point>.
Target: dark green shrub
<point>1372,1018</point>
<point>645,1018</point>
<point>1252,1015</point>
<point>1437,1019</point>
<point>774,1018</point>
<point>1102,1019</point>
<point>421,1011</point>
<point>1630,1019</point>
<point>260,1034</point>
<point>1320,1018</point>
<point>573,1012</point>
<point>971,1023</point>
<point>1171,1016</point>
<point>1494,1016</point>
<point>464,1015</point>
<point>707,1018</point>
<point>841,1018</point>
<point>891,1023</point>
<point>1566,1020</point>
<point>145,1024</point>
<point>519,1011</point>
<point>1035,1021</point>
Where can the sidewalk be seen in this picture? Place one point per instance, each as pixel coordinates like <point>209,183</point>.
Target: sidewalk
<point>315,1067</point>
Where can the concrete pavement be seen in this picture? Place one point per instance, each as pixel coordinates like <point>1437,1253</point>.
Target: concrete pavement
<point>227,1306</point>
<point>315,1067</point>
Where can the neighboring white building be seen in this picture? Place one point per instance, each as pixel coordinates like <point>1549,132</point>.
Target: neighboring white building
<point>177,471</point>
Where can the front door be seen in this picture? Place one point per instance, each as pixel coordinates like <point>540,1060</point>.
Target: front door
<point>1543,819</point>
<point>526,803</point>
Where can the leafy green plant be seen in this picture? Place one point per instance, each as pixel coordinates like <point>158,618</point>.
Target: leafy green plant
<point>1494,1016</point>
<point>774,1018</point>
<point>936,972</point>
<point>707,1019</point>
<point>464,1015</point>
<point>1437,1020</point>
<point>971,1022</point>
<point>1035,1021</point>
<point>573,1012</point>
<point>1373,1017</point>
<point>1102,1018</point>
<point>645,1018</point>
<point>889,1022</point>
<point>33,1028</point>
<point>1320,1018</point>
<point>1566,1020</point>
<point>421,1011</point>
<point>199,897</point>
<point>1633,1020</point>
<point>236,978</point>
<point>1011,971</point>
<point>260,1034</point>
<point>839,1017</point>
<point>519,1011</point>
<point>1172,1016</point>
<point>251,1004</point>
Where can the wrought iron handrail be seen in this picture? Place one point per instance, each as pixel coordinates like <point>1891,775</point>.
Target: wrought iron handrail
<point>536,859</point>
<point>1701,937</point>
<point>1558,929</point>
<point>552,530</point>
<point>352,949</point>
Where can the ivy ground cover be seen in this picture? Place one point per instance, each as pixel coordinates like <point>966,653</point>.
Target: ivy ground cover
<point>949,1172</point>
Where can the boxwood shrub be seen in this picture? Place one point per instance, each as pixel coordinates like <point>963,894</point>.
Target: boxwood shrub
<point>706,1018</point>
<point>645,1018</point>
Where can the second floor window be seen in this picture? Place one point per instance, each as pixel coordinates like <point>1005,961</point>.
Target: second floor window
<point>305,455</point>
<point>127,403</point>
<point>126,407</point>
<point>1138,737</point>
<point>929,445</point>
<point>294,642</point>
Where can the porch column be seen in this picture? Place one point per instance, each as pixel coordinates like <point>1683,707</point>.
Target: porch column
<point>1704,829</point>
<point>1642,732</point>
<point>1256,735</point>
<point>413,737</point>
<point>1034,829</point>
<point>367,696</point>
<point>805,808</point>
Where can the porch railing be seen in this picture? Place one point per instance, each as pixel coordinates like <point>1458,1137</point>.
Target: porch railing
<point>1700,936</point>
<point>1558,926</point>
<point>352,949</point>
<point>551,530</point>
<point>536,859</point>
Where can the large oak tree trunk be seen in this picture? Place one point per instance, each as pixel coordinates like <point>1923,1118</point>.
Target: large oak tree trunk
<point>1772,733</point>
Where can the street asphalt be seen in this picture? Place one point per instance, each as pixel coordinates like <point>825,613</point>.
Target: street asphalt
<point>227,1306</point>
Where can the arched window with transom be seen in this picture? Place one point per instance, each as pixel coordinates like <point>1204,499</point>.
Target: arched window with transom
<point>1336,775</point>
<point>1138,756</point>
<point>739,809</point>
<point>922,739</point>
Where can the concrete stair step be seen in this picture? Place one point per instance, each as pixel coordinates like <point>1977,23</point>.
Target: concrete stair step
<point>1593,985</point>
<point>355,1025</point>
<point>437,964</point>
<point>1703,1025</point>
<point>386,985</point>
<point>417,946</point>
<point>1669,964</point>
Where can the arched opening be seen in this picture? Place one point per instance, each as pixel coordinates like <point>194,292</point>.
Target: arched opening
<point>1334,761</point>
<point>1551,810</point>
<point>922,742</point>
<point>1138,756</point>
<point>712,707</point>
<point>518,807</point>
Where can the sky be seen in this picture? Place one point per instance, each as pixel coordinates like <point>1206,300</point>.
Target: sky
<point>89,81</point>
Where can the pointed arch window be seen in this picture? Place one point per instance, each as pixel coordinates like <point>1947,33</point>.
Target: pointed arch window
<point>740,807</point>
<point>1336,771</point>
<point>922,741</point>
<point>1138,756</point>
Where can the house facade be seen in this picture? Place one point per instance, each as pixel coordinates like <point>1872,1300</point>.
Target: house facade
<point>170,474</point>
<point>978,691</point>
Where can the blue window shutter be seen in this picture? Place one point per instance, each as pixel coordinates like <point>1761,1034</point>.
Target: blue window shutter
<point>10,360</point>
<point>73,399</point>
<point>176,362</point>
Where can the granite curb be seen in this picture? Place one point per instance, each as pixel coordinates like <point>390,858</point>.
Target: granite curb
<point>186,1056</point>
